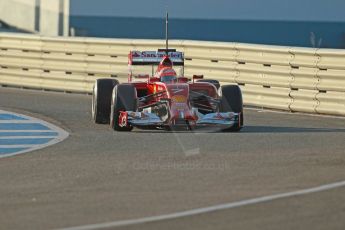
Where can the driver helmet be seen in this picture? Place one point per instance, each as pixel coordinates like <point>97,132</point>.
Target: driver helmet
<point>168,75</point>
<point>165,63</point>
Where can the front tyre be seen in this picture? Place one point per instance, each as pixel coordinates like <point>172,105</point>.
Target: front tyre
<point>231,101</point>
<point>101,98</point>
<point>124,98</point>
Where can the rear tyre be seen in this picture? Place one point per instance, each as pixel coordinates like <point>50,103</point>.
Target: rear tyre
<point>231,101</point>
<point>212,81</point>
<point>124,98</point>
<point>101,98</point>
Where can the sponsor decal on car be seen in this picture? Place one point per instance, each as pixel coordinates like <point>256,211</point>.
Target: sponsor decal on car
<point>179,99</point>
<point>154,56</point>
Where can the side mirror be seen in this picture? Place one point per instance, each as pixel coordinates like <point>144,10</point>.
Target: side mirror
<point>154,79</point>
<point>198,77</point>
<point>182,79</point>
<point>142,76</point>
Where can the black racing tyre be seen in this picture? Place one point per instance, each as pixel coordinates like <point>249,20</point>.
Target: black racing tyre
<point>212,81</point>
<point>124,98</point>
<point>101,98</point>
<point>231,101</point>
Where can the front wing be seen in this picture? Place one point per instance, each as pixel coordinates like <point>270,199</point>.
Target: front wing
<point>222,120</point>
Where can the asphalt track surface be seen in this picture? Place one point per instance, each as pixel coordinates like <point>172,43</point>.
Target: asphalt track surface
<point>98,176</point>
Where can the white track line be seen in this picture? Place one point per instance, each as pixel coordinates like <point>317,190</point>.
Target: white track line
<point>16,121</point>
<point>209,209</point>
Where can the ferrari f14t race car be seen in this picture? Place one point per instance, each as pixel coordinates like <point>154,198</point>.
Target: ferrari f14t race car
<point>163,98</point>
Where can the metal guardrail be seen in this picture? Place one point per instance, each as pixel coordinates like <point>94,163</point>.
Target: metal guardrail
<point>288,78</point>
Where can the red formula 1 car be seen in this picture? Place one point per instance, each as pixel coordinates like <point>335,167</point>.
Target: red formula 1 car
<point>165,98</point>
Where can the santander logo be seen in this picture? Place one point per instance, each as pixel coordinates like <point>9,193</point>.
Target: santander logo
<point>154,54</point>
<point>136,54</point>
<point>148,55</point>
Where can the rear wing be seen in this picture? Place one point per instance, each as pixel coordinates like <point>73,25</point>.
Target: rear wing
<point>154,57</point>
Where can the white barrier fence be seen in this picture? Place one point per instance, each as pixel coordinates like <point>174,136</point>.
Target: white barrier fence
<point>288,78</point>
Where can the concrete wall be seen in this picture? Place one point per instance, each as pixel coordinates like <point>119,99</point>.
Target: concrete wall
<point>19,13</point>
<point>46,17</point>
<point>54,17</point>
